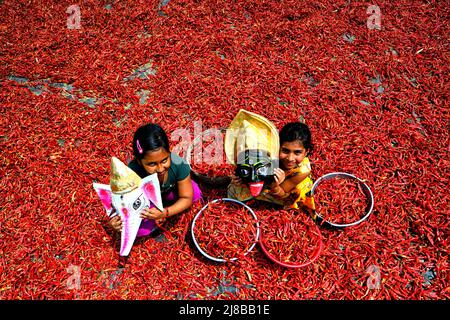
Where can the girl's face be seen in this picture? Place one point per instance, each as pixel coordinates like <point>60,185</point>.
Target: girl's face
<point>291,154</point>
<point>156,161</point>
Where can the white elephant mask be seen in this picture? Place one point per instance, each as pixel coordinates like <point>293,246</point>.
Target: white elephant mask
<point>126,196</point>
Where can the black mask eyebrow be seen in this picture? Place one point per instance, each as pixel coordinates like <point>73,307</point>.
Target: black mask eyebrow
<point>253,155</point>
<point>249,173</point>
<point>252,160</point>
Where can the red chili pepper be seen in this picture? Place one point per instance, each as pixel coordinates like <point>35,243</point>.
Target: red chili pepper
<point>225,230</point>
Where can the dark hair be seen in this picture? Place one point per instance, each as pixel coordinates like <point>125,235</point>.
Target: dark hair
<point>149,137</point>
<point>297,131</point>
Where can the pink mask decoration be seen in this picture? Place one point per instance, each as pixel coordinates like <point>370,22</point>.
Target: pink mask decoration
<point>128,194</point>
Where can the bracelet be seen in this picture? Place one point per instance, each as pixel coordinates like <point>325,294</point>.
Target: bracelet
<point>166,212</point>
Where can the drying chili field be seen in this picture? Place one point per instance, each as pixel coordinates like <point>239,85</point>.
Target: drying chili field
<point>77,79</point>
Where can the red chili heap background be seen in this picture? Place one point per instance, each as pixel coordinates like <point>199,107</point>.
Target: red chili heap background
<point>375,100</point>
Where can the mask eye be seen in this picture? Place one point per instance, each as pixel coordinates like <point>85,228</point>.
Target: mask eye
<point>262,171</point>
<point>243,172</point>
<point>137,203</point>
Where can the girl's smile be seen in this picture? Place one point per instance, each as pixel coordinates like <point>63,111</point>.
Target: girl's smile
<point>157,161</point>
<point>292,154</point>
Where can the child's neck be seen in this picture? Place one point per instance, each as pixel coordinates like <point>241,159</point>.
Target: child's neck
<point>162,179</point>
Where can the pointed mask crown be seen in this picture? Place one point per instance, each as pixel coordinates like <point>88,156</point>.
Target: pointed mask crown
<point>122,178</point>
<point>251,137</point>
<point>249,130</point>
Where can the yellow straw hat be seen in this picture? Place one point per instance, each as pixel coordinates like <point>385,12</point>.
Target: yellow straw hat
<point>249,130</point>
<point>122,179</point>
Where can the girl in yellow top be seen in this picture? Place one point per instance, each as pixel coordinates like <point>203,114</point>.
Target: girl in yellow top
<point>293,178</point>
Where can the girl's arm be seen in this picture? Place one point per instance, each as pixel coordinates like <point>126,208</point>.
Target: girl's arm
<point>185,196</point>
<point>288,185</point>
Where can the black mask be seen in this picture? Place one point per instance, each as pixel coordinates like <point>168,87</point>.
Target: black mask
<point>255,168</point>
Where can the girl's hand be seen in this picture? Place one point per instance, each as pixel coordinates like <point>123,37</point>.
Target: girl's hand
<point>279,177</point>
<point>236,180</point>
<point>153,213</point>
<point>116,223</point>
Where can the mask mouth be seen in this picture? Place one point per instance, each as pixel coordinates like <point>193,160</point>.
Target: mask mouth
<point>256,188</point>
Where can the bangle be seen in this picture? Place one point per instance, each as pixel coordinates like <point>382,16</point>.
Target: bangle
<point>166,212</point>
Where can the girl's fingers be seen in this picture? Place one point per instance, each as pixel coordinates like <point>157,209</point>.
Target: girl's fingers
<point>150,213</point>
<point>276,172</point>
<point>236,180</point>
<point>145,215</point>
<point>279,173</point>
<point>116,223</point>
<point>117,226</point>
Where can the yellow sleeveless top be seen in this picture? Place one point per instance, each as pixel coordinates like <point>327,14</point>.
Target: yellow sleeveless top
<point>297,196</point>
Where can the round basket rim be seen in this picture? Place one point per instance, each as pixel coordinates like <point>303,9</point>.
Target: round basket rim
<point>203,252</point>
<point>367,191</point>
<point>219,180</point>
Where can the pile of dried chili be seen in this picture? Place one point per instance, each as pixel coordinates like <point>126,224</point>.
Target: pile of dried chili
<point>340,200</point>
<point>290,238</point>
<point>225,230</point>
<point>207,155</point>
<point>213,170</point>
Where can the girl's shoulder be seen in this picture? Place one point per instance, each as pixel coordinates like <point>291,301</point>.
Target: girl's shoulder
<point>305,165</point>
<point>179,167</point>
